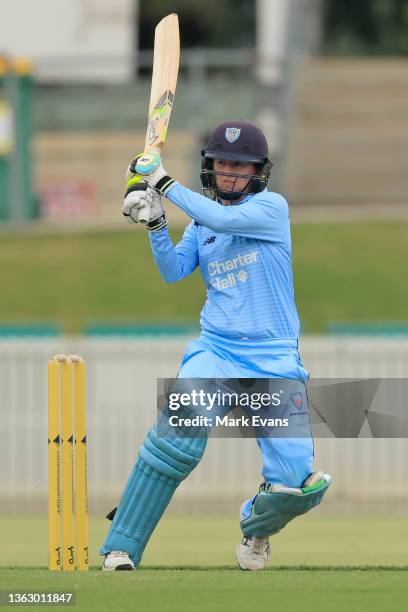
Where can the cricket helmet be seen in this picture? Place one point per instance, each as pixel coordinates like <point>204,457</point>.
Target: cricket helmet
<point>235,141</point>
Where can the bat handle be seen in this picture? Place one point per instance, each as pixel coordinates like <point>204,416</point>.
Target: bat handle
<point>144,214</point>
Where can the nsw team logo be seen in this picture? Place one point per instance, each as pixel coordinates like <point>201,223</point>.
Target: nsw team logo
<point>232,134</point>
<point>297,399</point>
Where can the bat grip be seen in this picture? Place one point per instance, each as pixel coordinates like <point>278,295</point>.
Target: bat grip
<point>144,214</point>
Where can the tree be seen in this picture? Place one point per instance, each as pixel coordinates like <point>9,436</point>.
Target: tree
<point>366,27</point>
<point>211,23</point>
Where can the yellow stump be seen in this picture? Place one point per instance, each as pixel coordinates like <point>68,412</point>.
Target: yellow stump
<point>67,467</point>
<point>54,467</point>
<point>67,443</point>
<point>81,466</point>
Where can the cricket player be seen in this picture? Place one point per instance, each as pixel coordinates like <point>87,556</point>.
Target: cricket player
<point>239,237</point>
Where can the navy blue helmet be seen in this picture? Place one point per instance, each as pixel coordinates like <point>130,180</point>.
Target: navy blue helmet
<point>236,141</point>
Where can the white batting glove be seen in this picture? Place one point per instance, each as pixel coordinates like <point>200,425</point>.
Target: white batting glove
<point>138,199</point>
<point>143,205</point>
<point>157,219</point>
<point>149,166</point>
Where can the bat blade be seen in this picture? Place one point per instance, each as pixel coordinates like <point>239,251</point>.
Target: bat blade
<point>164,80</point>
<point>166,61</point>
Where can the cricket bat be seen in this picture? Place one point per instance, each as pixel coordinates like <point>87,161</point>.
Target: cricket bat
<point>166,60</point>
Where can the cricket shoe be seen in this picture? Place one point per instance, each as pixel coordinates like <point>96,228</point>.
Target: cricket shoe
<point>252,553</point>
<point>117,560</point>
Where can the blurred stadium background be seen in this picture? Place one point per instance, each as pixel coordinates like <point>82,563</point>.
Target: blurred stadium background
<point>328,82</point>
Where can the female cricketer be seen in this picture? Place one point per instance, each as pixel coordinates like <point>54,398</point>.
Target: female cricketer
<point>239,237</point>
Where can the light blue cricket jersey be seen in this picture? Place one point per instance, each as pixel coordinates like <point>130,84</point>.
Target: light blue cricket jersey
<point>245,260</point>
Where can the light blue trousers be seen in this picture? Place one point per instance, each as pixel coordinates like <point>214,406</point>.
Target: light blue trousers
<point>285,460</point>
<point>163,463</point>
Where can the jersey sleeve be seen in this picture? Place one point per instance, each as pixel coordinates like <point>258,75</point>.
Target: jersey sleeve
<point>264,216</point>
<point>175,262</point>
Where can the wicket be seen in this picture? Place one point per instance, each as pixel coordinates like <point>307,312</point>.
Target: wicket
<point>67,467</point>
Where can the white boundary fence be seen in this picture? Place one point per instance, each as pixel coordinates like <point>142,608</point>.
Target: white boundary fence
<point>370,475</point>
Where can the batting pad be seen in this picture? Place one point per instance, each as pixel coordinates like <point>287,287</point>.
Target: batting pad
<point>162,465</point>
<point>275,507</point>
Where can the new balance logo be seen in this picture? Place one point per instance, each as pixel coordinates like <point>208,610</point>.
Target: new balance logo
<point>209,240</point>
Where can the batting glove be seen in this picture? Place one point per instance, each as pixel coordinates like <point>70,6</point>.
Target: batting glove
<point>143,205</point>
<point>149,166</point>
<point>138,199</point>
<point>157,219</point>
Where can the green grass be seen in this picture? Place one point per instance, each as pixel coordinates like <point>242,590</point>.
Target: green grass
<point>71,279</point>
<point>318,564</point>
<point>350,272</point>
<point>210,541</point>
<point>165,590</point>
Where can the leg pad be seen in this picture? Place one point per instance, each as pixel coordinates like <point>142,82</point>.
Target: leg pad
<point>162,465</point>
<point>272,509</point>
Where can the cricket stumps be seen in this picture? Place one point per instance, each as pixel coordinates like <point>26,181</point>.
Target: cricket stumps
<point>67,464</point>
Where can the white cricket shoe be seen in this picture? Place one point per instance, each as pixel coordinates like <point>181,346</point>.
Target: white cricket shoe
<point>117,560</point>
<point>252,553</point>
